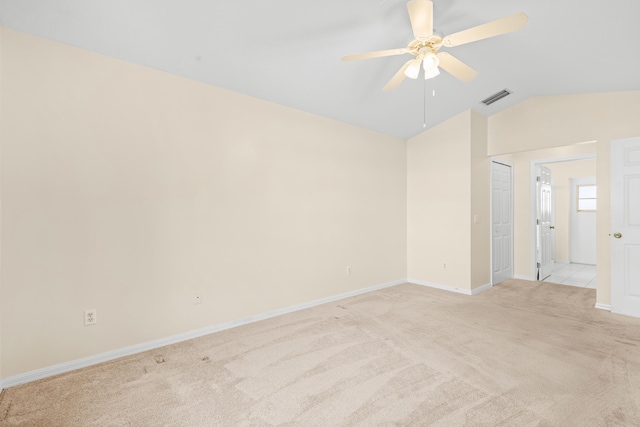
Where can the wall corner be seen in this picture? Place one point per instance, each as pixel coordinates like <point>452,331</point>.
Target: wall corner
<point>479,215</point>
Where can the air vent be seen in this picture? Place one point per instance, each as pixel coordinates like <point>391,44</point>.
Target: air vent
<point>496,97</point>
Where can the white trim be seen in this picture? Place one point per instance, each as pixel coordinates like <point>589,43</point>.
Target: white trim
<point>603,306</point>
<point>450,288</point>
<point>480,289</point>
<point>438,286</point>
<point>521,277</point>
<point>150,345</point>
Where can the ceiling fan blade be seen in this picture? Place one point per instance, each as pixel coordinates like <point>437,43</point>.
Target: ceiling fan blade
<point>421,16</point>
<point>377,54</point>
<point>456,68</point>
<point>398,77</point>
<point>490,29</point>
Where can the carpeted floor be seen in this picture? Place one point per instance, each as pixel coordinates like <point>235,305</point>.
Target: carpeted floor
<point>523,353</point>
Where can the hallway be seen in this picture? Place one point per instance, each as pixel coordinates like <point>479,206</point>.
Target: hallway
<point>580,275</point>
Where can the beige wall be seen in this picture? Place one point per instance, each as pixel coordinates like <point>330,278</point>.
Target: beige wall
<point>480,202</point>
<point>439,195</point>
<point>561,120</point>
<point>126,189</point>
<point>562,173</point>
<point>447,183</point>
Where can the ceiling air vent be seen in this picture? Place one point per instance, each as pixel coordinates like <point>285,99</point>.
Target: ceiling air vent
<point>496,97</point>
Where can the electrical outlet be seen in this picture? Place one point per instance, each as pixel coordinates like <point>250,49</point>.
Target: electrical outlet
<point>444,265</point>
<point>197,298</point>
<point>90,317</point>
<point>348,270</point>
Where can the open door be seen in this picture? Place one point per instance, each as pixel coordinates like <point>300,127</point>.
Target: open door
<point>625,226</point>
<point>543,223</point>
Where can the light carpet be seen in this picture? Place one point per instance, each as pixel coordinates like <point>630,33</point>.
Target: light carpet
<point>522,353</point>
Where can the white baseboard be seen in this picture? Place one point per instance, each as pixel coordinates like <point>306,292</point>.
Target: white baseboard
<point>151,345</point>
<point>561,261</point>
<point>606,307</point>
<point>450,288</point>
<point>482,288</point>
<point>521,277</point>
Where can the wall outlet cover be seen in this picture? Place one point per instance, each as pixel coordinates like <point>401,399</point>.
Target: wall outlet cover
<point>90,317</point>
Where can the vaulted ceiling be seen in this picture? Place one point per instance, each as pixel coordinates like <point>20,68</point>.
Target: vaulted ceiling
<point>288,51</point>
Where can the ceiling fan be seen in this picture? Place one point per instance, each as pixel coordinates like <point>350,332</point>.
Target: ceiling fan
<point>425,46</point>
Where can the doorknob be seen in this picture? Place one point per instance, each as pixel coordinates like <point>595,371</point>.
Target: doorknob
<point>553,227</point>
<point>617,235</point>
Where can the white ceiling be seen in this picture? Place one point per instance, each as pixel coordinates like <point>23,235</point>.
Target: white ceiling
<point>288,51</point>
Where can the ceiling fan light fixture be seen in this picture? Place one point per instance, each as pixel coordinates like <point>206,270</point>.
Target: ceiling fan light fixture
<point>431,61</point>
<point>431,73</point>
<point>413,69</point>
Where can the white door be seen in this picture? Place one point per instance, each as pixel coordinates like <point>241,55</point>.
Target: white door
<point>544,215</point>
<point>552,232</point>
<point>625,226</point>
<point>582,220</point>
<point>501,223</point>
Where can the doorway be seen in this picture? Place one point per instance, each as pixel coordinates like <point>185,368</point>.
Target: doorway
<point>561,261</point>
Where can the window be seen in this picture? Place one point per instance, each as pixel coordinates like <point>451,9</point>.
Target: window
<point>587,198</point>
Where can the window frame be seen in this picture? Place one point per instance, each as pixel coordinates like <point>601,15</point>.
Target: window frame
<point>578,198</point>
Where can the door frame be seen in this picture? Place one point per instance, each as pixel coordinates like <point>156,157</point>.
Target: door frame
<point>533,199</point>
<point>510,165</point>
